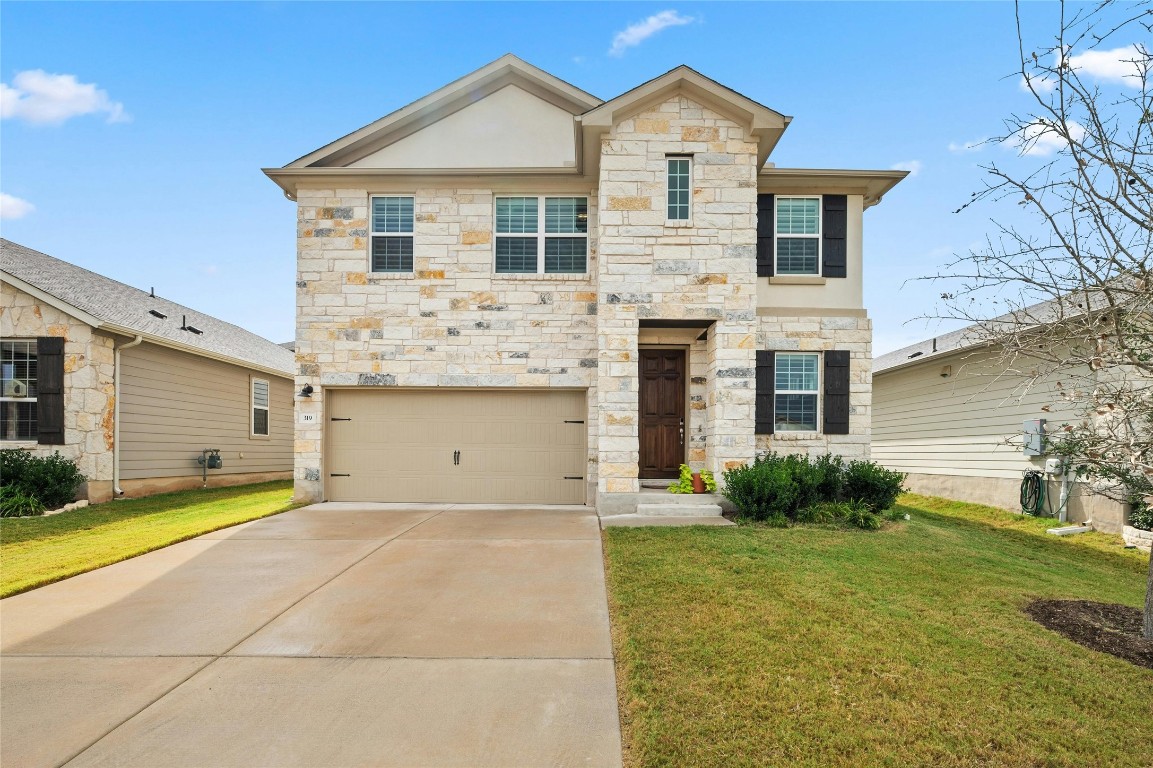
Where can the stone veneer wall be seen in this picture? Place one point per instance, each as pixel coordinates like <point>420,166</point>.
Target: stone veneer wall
<point>648,269</point>
<point>821,334</point>
<point>89,394</point>
<point>452,323</point>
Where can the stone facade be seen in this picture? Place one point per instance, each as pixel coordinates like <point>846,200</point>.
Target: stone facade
<point>453,322</point>
<point>653,269</point>
<point>821,334</point>
<point>89,399</point>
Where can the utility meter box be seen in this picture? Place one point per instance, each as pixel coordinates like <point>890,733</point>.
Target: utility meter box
<point>1034,437</point>
<point>1054,467</point>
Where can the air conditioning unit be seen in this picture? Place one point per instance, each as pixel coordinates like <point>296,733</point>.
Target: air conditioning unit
<point>15,388</point>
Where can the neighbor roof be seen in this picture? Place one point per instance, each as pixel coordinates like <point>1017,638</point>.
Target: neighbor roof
<point>105,303</point>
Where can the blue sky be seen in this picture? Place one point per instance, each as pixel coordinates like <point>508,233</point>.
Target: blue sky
<point>150,175</point>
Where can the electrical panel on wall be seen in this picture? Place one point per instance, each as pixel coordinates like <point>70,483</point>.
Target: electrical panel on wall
<point>1034,437</point>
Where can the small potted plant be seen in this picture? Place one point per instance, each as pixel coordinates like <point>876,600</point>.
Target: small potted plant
<point>694,482</point>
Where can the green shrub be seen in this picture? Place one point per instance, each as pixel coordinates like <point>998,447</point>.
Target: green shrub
<point>872,484</point>
<point>1141,515</point>
<point>51,480</point>
<point>14,502</point>
<point>763,490</point>
<point>821,490</point>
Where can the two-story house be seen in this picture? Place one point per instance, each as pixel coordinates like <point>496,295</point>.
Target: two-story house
<point>512,291</point>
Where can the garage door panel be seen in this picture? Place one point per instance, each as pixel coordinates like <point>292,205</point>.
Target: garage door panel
<point>515,446</point>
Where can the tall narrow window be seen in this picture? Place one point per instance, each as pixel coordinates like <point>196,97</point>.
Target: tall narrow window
<point>392,234</point>
<point>680,183</point>
<point>18,376</point>
<point>795,393</point>
<point>260,407</point>
<point>798,235</point>
<point>541,235</point>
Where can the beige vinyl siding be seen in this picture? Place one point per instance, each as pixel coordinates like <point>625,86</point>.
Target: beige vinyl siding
<point>923,423</point>
<point>174,404</point>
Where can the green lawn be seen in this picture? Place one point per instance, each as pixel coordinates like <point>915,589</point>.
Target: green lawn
<point>755,646</point>
<point>39,550</point>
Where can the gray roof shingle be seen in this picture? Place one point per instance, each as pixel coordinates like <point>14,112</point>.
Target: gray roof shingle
<point>121,305</point>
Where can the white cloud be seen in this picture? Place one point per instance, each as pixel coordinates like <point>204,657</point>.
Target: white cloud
<point>1041,139</point>
<point>13,207</point>
<point>968,146</point>
<point>1118,65</point>
<point>637,33</point>
<point>912,166</point>
<point>40,98</point>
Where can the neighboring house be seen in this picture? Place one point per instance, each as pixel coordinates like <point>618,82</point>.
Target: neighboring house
<point>946,413</point>
<point>70,340</point>
<point>512,291</point>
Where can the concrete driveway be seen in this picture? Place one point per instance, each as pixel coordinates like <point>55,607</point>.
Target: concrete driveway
<point>333,635</point>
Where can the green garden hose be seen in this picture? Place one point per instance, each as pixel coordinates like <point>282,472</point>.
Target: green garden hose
<point>1033,493</point>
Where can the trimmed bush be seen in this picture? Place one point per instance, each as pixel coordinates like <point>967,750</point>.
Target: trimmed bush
<point>779,489</point>
<point>51,480</point>
<point>1141,515</point>
<point>872,484</point>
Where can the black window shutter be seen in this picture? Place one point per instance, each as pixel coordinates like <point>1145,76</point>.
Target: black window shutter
<point>836,405</point>
<point>764,235</point>
<point>833,258</point>
<point>50,390</point>
<point>765,384</point>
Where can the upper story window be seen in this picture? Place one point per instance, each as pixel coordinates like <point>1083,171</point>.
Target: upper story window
<point>391,248</point>
<point>680,184</point>
<point>798,234</point>
<point>795,395</point>
<point>260,402</point>
<point>18,376</point>
<point>541,235</point>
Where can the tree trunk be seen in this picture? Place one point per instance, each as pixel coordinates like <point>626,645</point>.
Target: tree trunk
<point>1149,602</point>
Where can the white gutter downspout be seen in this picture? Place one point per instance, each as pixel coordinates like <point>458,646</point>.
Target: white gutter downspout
<point>116,491</point>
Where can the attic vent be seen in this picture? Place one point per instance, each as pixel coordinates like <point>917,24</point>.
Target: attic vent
<point>915,354</point>
<point>161,315</point>
<point>184,326</point>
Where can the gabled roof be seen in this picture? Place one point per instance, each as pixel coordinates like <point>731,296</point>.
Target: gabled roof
<point>118,308</point>
<point>762,122</point>
<point>507,70</point>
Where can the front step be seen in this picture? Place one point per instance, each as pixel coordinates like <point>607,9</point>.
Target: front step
<point>680,509</point>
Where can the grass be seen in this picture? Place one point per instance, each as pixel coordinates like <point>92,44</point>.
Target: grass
<point>754,646</point>
<point>40,550</point>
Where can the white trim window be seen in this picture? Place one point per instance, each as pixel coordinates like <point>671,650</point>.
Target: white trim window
<point>679,182</point>
<point>260,407</point>
<point>796,390</point>
<point>391,241</point>
<point>541,235</point>
<point>18,372</point>
<point>798,234</point>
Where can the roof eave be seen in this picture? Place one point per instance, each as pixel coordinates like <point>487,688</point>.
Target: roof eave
<point>872,184</point>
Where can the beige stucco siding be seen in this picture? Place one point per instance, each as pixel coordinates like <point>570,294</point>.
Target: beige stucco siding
<point>174,404</point>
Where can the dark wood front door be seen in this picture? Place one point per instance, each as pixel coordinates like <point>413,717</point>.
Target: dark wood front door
<point>662,412</point>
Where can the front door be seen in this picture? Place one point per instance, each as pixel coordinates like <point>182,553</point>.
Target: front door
<point>662,406</point>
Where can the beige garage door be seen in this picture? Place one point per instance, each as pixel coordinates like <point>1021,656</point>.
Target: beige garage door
<point>458,446</point>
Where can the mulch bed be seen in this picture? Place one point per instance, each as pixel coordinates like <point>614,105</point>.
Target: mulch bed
<point>1106,627</point>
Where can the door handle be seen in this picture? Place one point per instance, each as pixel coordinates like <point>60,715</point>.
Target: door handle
<point>456,458</point>
<point>682,431</point>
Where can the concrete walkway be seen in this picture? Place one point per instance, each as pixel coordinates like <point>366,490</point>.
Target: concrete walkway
<point>333,635</point>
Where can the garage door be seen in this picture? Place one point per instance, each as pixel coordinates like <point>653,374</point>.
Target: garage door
<point>507,447</point>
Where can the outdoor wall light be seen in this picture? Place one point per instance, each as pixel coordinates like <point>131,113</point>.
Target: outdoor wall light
<point>946,371</point>
<point>306,390</point>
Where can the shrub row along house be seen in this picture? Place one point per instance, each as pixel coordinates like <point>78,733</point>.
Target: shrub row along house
<point>132,386</point>
<point>512,291</point>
